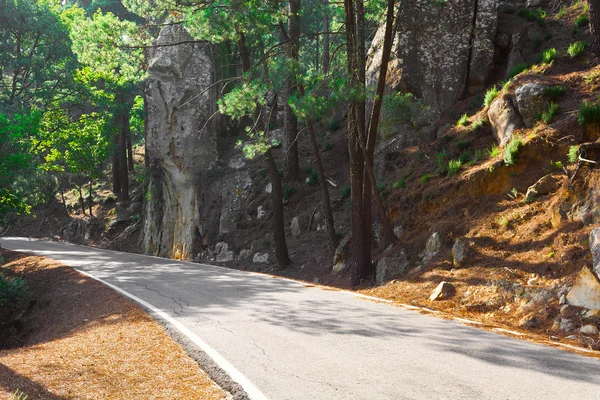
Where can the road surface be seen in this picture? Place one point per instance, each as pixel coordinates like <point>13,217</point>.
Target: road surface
<point>287,340</point>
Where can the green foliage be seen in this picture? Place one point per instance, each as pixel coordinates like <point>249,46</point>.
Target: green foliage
<point>382,189</point>
<point>548,115</point>
<point>511,151</point>
<point>589,113</point>
<point>346,192</point>
<point>400,184</point>
<point>333,125</point>
<point>328,146</point>
<point>454,166</point>
<point>441,161</point>
<point>517,69</point>
<point>547,56</point>
<point>536,16</point>
<point>425,178</point>
<point>582,21</point>
<point>477,124</point>
<point>494,151</point>
<point>313,178</point>
<point>463,144</point>
<point>401,109</point>
<point>576,49</point>
<point>573,154</point>
<point>12,292</point>
<point>477,154</point>
<point>463,120</point>
<point>243,100</point>
<point>490,95</point>
<point>554,92</point>
<point>288,191</point>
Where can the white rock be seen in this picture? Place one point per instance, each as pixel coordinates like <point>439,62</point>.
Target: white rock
<point>295,227</point>
<point>443,291</point>
<point>223,252</point>
<point>432,246</point>
<point>245,254</point>
<point>237,163</point>
<point>269,188</point>
<point>260,212</point>
<point>261,258</point>
<point>586,291</point>
<point>459,250</point>
<point>391,267</point>
<point>589,330</point>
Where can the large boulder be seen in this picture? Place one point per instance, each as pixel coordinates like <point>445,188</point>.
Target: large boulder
<point>545,185</point>
<point>586,291</point>
<point>531,101</point>
<point>390,267</point>
<point>504,118</point>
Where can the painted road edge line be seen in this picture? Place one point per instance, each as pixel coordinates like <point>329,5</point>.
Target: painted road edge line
<point>251,390</point>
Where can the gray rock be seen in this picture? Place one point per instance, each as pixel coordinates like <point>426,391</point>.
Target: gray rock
<point>295,227</point>
<point>586,290</point>
<point>269,187</point>
<point>340,255</point>
<point>589,330</point>
<point>135,208</point>
<point>398,231</point>
<point>237,163</point>
<point>442,130</point>
<point>531,101</point>
<point>245,254</point>
<point>223,253</point>
<point>592,314</point>
<point>459,251</point>
<point>545,185</point>
<point>443,291</point>
<point>260,212</point>
<point>234,193</point>
<point>391,267</point>
<point>595,249</point>
<point>504,119</point>
<point>533,3</point>
<point>261,258</point>
<point>566,325</point>
<point>432,246</point>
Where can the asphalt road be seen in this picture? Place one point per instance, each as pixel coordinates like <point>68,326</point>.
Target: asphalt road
<point>287,340</point>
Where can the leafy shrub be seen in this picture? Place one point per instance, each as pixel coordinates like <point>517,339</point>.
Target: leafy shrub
<point>400,184</point>
<point>582,21</point>
<point>477,124</point>
<point>12,291</point>
<point>463,120</point>
<point>313,178</point>
<point>554,92</point>
<point>548,115</point>
<point>464,157</point>
<point>511,152</point>
<point>575,49</point>
<point>288,191</point>
<point>589,113</point>
<point>494,151</point>
<point>536,16</point>
<point>346,192</point>
<point>454,166</point>
<point>517,69</point>
<point>573,154</point>
<point>476,156</point>
<point>333,125</point>
<point>490,95</point>
<point>547,56</point>
<point>425,178</point>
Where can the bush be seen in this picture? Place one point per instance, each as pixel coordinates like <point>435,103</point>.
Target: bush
<point>581,21</point>
<point>490,95</point>
<point>334,125</point>
<point>12,292</point>
<point>554,92</point>
<point>454,166</point>
<point>400,184</point>
<point>589,113</point>
<point>575,49</point>
<point>548,115</point>
<point>402,109</point>
<point>463,121</point>
<point>346,192</point>
<point>573,154</point>
<point>517,69</point>
<point>511,152</point>
<point>478,124</point>
<point>440,161</point>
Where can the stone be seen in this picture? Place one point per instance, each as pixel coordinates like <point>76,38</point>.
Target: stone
<point>566,325</point>
<point>223,253</point>
<point>237,163</point>
<point>504,119</point>
<point>586,290</point>
<point>260,258</point>
<point>589,330</point>
<point>245,254</point>
<point>531,101</point>
<point>595,249</point>
<point>533,3</point>
<point>340,255</point>
<point>572,337</point>
<point>432,246</point>
<point>260,212</point>
<point>545,185</point>
<point>235,189</point>
<point>533,281</point>
<point>592,314</point>
<point>390,267</point>
<point>569,311</point>
<point>135,208</point>
<point>295,227</point>
<point>442,130</point>
<point>269,187</point>
<point>398,231</point>
<point>458,251</point>
<point>443,291</point>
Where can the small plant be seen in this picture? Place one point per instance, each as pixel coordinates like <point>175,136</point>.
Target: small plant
<point>536,16</point>
<point>400,184</point>
<point>425,178</point>
<point>346,192</point>
<point>517,69</point>
<point>554,92</point>
<point>548,56</point>
<point>454,166</point>
<point>464,157</point>
<point>506,85</point>
<point>382,189</point>
<point>490,95</point>
<point>440,161</point>
<point>582,21</point>
<point>288,191</point>
<point>494,151</point>
<point>513,194</point>
<point>477,124</point>
<point>313,178</point>
<point>463,121</point>
<point>548,115</point>
<point>476,156</point>
<point>589,113</point>
<point>18,395</point>
<point>328,146</point>
<point>573,154</point>
<point>511,152</point>
<point>504,222</point>
<point>334,125</point>
<point>556,165</point>
<point>575,49</point>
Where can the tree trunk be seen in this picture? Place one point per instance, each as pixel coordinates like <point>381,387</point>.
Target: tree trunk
<point>116,168</point>
<point>325,36</point>
<point>291,168</point>
<point>91,202</point>
<point>81,202</point>
<point>122,151</point>
<point>281,251</point>
<point>594,11</point>
<point>244,53</point>
<point>129,148</point>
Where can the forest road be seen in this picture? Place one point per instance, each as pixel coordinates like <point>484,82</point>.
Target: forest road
<point>283,339</point>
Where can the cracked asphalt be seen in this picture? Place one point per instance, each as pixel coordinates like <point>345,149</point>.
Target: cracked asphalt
<point>295,341</point>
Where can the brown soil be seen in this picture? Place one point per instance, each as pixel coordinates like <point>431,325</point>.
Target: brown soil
<point>81,340</point>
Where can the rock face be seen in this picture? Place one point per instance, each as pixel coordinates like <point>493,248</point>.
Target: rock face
<point>433,245</point>
<point>440,50</point>
<point>504,118</point>
<point>180,144</point>
<point>459,251</point>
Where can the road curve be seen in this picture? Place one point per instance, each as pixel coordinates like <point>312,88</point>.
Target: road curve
<point>294,341</point>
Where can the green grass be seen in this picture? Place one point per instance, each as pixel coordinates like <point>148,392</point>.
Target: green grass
<point>576,49</point>
<point>490,95</point>
<point>536,16</point>
<point>517,69</point>
<point>494,151</point>
<point>400,184</point>
<point>554,92</point>
<point>573,154</point>
<point>582,21</point>
<point>463,121</point>
<point>346,192</point>
<point>425,178</point>
<point>589,113</point>
<point>441,161</point>
<point>454,166</point>
<point>477,154</point>
<point>548,56</point>
<point>511,151</point>
<point>18,395</point>
<point>288,191</point>
<point>477,124</point>
<point>548,115</point>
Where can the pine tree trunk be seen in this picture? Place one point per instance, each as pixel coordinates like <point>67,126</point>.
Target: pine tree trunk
<point>129,148</point>
<point>281,251</point>
<point>81,201</point>
<point>325,36</point>
<point>122,151</point>
<point>91,202</point>
<point>116,167</point>
<point>594,11</point>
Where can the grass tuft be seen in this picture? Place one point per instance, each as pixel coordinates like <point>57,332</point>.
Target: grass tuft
<point>511,151</point>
